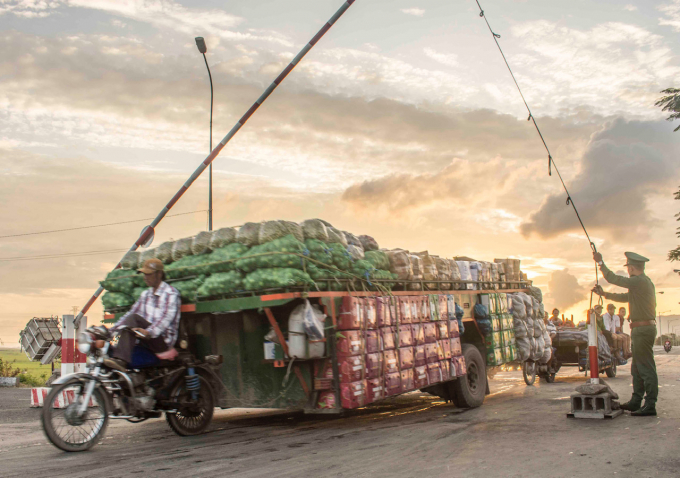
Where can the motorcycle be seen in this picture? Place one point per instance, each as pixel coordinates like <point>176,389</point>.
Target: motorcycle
<point>667,346</point>
<point>78,408</point>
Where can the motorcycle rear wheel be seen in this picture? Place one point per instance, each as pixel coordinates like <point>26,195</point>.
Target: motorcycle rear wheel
<point>192,418</point>
<point>64,428</point>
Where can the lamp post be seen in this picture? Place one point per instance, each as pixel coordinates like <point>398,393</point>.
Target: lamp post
<point>200,43</point>
<point>660,329</point>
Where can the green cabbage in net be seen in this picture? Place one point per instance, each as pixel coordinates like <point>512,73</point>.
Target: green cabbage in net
<point>378,258</point>
<point>222,259</point>
<point>137,292</point>
<point>187,288</point>
<point>341,258</point>
<point>115,300</point>
<point>319,251</point>
<point>277,278</point>
<point>122,280</point>
<point>187,266</point>
<point>221,283</point>
<point>273,254</point>
<point>164,252</point>
<point>249,234</point>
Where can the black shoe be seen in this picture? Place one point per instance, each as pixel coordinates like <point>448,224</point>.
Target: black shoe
<point>630,406</point>
<point>646,411</point>
<point>116,364</point>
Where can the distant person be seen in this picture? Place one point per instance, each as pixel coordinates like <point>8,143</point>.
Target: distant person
<point>610,320</point>
<point>626,347</point>
<point>641,298</point>
<point>555,319</point>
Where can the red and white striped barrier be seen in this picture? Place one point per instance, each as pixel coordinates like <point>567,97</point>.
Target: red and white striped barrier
<point>62,400</point>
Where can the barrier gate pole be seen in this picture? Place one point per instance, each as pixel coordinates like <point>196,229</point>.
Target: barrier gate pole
<point>592,349</point>
<point>149,230</point>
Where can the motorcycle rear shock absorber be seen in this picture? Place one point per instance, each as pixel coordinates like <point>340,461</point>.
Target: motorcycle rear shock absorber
<point>193,382</point>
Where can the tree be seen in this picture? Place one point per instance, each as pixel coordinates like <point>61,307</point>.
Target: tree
<point>671,102</point>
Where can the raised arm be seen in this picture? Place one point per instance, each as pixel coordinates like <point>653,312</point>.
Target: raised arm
<point>616,297</point>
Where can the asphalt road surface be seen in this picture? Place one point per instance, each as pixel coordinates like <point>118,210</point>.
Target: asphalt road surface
<point>520,431</point>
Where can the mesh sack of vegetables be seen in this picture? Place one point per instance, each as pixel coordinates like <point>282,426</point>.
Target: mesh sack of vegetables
<point>187,266</point>
<point>249,234</point>
<point>341,258</point>
<point>115,300</point>
<point>182,248</point>
<point>378,258</point>
<point>187,288</point>
<point>444,271</point>
<point>368,243</point>
<point>137,292</point>
<point>270,230</point>
<point>336,235</point>
<point>319,251</point>
<point>130,260</point>
<point>120,280</point>
<point>355,252</point>
<point>221,283</point>
<point>145,255</point>
<point>281,252</point>
<point>417,267</point>
<point>363,269</point>
<point>314,229</point>
<point>277,278</point>
<point>429,269</point>
<point>222,237</point>
<point>295,229</point>
<point>400,263</point>
<point>164,252</point>
<point>201,242</point>
<point>378,276</point>
<point>222,259</point>
<point>352,240</point>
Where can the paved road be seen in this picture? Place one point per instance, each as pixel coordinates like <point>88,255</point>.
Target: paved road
<point>520,431</point>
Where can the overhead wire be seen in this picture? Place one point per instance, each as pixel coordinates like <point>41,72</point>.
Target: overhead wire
<point>551,160</point>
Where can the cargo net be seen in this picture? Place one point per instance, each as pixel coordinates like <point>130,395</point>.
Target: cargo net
<point>281,255</point>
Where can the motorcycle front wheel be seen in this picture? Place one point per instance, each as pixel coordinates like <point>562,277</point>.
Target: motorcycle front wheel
<point>192,416</point>
<point>64,426</point>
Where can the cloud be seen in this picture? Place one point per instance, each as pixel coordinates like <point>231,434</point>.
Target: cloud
<point>625,163</point>
<point>564,291</point>
<point>630,8</point>
<point>672,11</point>
<point>443,58</point>
<point>29,8</point>
<point>416,12</point>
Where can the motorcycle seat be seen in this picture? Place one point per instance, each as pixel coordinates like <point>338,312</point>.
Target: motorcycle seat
<point>143,358</point>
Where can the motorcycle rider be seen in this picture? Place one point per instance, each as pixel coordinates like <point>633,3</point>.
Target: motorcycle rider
<point>155,315</point>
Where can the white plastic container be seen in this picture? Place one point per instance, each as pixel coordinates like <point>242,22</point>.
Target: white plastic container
<point>297,339</point>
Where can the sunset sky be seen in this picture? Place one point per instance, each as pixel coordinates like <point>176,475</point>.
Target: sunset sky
<point>402,123</point>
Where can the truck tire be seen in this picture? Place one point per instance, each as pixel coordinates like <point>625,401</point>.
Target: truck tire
<point>469,390</point>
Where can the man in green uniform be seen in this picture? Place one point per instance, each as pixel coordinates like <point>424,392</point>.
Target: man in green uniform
<point>641,298</point>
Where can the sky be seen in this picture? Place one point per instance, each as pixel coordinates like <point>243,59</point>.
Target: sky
<point>402,123</point>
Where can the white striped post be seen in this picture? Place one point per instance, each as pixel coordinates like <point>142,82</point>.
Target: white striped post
<point>148,231</point>
<point>592,349</point>
<point>72,361</point>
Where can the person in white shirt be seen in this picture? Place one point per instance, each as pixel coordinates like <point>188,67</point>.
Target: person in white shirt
<point>610,320</point>
<point>621,317</point>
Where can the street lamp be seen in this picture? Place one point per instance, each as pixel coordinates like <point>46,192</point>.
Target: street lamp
<point>200,43</point>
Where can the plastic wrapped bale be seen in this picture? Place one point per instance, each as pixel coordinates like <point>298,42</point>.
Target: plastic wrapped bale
<point>222,237</point>
<point>201,242</point>
<point>495,277</point>
<point>540,348</point>
<point>528,304</point>
<point>145,255</point>
<point>475,274</point>
<point>187,288</point>
<point>416,266</point>
<point>519,309</point>
<point>116,300</point>
<point>530,326</point>
<point>314,229</point>
<point>295,230</point>
<point>284,252</point>
<point>368,243</point>
<point>188,266</point>
<point>484,274</point>
<point>539,327</point>
<point>182,248</point>
<point>548,348</point>
<point>535,309</point>
<point>249,234</point>
<point>523,348</point>
<point>130,260</point>
<point>429,269</point>
<point>443,271</point>
<point>352,240</point>
<point>223,258</point>
<point>277,278</point>
<point>121,280</point>
<point>336,235</point>
<point>502,275</point>
<point>341,258</point>
<point>270,230</point>
<point>520,328</point>
<point>378,258</point>
<point>536,293</point>
<point>541,310</point>
<point>164,252</point>
<point>455,273</point>
<point>137,292</point>
<point>465,274</point>
<point>355,252</point>
<point>221,283</point>
<point>400,263</point>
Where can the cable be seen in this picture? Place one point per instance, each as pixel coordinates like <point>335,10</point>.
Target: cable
<point>99,225</point>
<point>551,161</point>
<point>55,256</point>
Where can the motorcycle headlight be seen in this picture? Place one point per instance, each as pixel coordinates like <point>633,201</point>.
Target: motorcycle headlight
<point>84,342</point>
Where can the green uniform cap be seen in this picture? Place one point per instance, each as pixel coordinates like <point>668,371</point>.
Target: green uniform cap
<point>635,259</point>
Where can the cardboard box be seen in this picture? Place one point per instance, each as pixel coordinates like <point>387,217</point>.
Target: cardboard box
<point>351,316</point>
<point>431,354</point>
<point>387,335</point>
<point>434,372</point>
<point>406,357</point>
<point>430,332</point>
<point>456,347</point>
<point>390,361</point>
<point>353,395</point>
<point>405,314</point>
<point>392,384</point>
<point>407,380</point>
<point>421,378</point>
<point>418,334</point>
<point>375,390</point>
<point>405,336</point>
<point>419,357</point>
<point>350,342</point>
<point>370,314</point>
<point>373,341</point>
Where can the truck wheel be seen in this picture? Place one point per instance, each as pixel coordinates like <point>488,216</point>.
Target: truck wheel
<point>469,390</point>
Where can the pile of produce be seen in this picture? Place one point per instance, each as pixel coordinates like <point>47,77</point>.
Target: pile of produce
<point>283,254</point>
<point>532,337</point>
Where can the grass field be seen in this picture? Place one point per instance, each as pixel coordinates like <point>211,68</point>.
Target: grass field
<point>33,373</point>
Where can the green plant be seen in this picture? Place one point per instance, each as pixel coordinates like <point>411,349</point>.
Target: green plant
<point>7,369</point>
<point>32,380</point>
